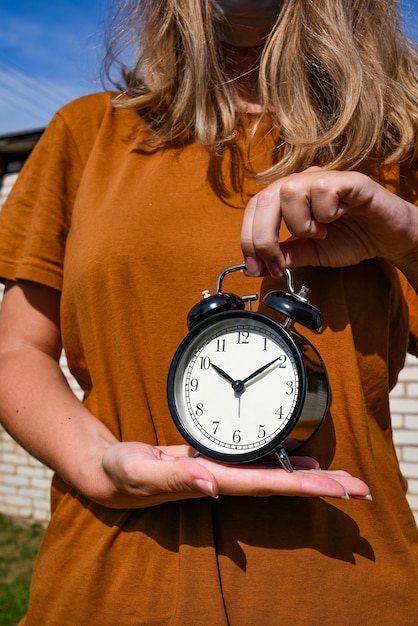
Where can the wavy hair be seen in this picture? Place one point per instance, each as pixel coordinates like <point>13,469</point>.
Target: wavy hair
<point>338,79</point>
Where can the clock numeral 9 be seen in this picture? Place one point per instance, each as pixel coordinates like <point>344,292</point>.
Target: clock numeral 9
<point>194,384</point>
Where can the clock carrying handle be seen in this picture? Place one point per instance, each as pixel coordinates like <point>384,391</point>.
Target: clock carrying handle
<point>294,306</point>
<point>219,301</point>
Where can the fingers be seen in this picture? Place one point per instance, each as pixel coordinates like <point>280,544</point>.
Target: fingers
<point>259,233</point>
<point>306,203</point>
<point>268,481</point>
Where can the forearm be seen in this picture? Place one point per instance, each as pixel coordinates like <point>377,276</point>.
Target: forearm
<point>41,412</point>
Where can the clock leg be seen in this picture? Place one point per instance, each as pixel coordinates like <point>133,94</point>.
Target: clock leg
<point>283,459</point>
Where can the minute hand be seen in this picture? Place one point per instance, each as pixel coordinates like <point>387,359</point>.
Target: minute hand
<point>259,371</point>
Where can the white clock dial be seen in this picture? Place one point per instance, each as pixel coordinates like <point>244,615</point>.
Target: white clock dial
<point>237,385</point>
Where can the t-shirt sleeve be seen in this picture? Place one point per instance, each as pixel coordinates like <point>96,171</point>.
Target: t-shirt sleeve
<point>35,218</point>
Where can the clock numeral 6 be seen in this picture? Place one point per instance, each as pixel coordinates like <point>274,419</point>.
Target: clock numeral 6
<point>236,437</point>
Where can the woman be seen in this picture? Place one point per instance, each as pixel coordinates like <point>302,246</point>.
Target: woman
<point>284,121</point>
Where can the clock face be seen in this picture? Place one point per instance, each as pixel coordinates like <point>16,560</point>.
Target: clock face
<point>236,386</point>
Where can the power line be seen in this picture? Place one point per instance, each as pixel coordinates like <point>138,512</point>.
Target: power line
<point>36,85</point>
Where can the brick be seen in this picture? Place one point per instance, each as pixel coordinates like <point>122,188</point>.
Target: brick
<point>40,515</point>
<point>412,486</point>
<point>17,481</point>
<point>410,453</point>
<point>398,391</point>
<point>6,468</point>
<point>413,501</point>
<point>409,373</point>
<point>403,405</point>
<point>409,470</point>
<point>16,500</point>
<point>397,420</point>
<point>405,437</point>
<point>412,390</point>
<point>41,483</point>
<point>28,470</point>
<point>411,421</point>
<point>6,489</point>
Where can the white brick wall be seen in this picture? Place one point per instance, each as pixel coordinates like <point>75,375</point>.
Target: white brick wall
<point>5,185</point>
<point>404,408</point>
<point>24,482</point>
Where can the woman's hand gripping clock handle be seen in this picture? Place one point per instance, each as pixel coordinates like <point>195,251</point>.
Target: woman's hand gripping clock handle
<point>40,411</point>
<point>336,219</point>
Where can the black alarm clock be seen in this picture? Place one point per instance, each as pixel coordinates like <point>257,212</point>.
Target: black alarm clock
<point>241,383</point>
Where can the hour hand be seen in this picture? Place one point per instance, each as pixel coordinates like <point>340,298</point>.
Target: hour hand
<point>222,373</point>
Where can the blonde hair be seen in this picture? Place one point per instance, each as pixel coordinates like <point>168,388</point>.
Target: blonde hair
<point>338,79</point>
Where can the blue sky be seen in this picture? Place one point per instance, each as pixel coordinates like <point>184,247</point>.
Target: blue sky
<point>50,53</point>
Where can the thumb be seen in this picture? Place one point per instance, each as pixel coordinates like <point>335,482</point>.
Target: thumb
<point>187,474</point>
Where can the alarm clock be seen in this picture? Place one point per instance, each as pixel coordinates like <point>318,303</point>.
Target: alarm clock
<point>241,383</point>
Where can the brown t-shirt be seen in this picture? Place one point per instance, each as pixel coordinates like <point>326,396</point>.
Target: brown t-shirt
<point>132,239</point>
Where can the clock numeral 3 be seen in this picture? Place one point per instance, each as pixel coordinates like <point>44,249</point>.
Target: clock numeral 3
<point>290,388</point>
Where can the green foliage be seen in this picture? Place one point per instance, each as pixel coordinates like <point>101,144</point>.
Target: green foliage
<point>19,544</point>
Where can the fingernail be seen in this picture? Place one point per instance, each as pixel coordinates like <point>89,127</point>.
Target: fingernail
<point>205,486</point>
<point>252,267</point>
<point>274,270</point>
<point>369,497</point>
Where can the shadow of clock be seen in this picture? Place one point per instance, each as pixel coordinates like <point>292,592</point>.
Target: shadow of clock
<point>234,525</point>
<point>288,524</point>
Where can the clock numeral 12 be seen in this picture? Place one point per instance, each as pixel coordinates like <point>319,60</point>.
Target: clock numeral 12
<point>243,337</point>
